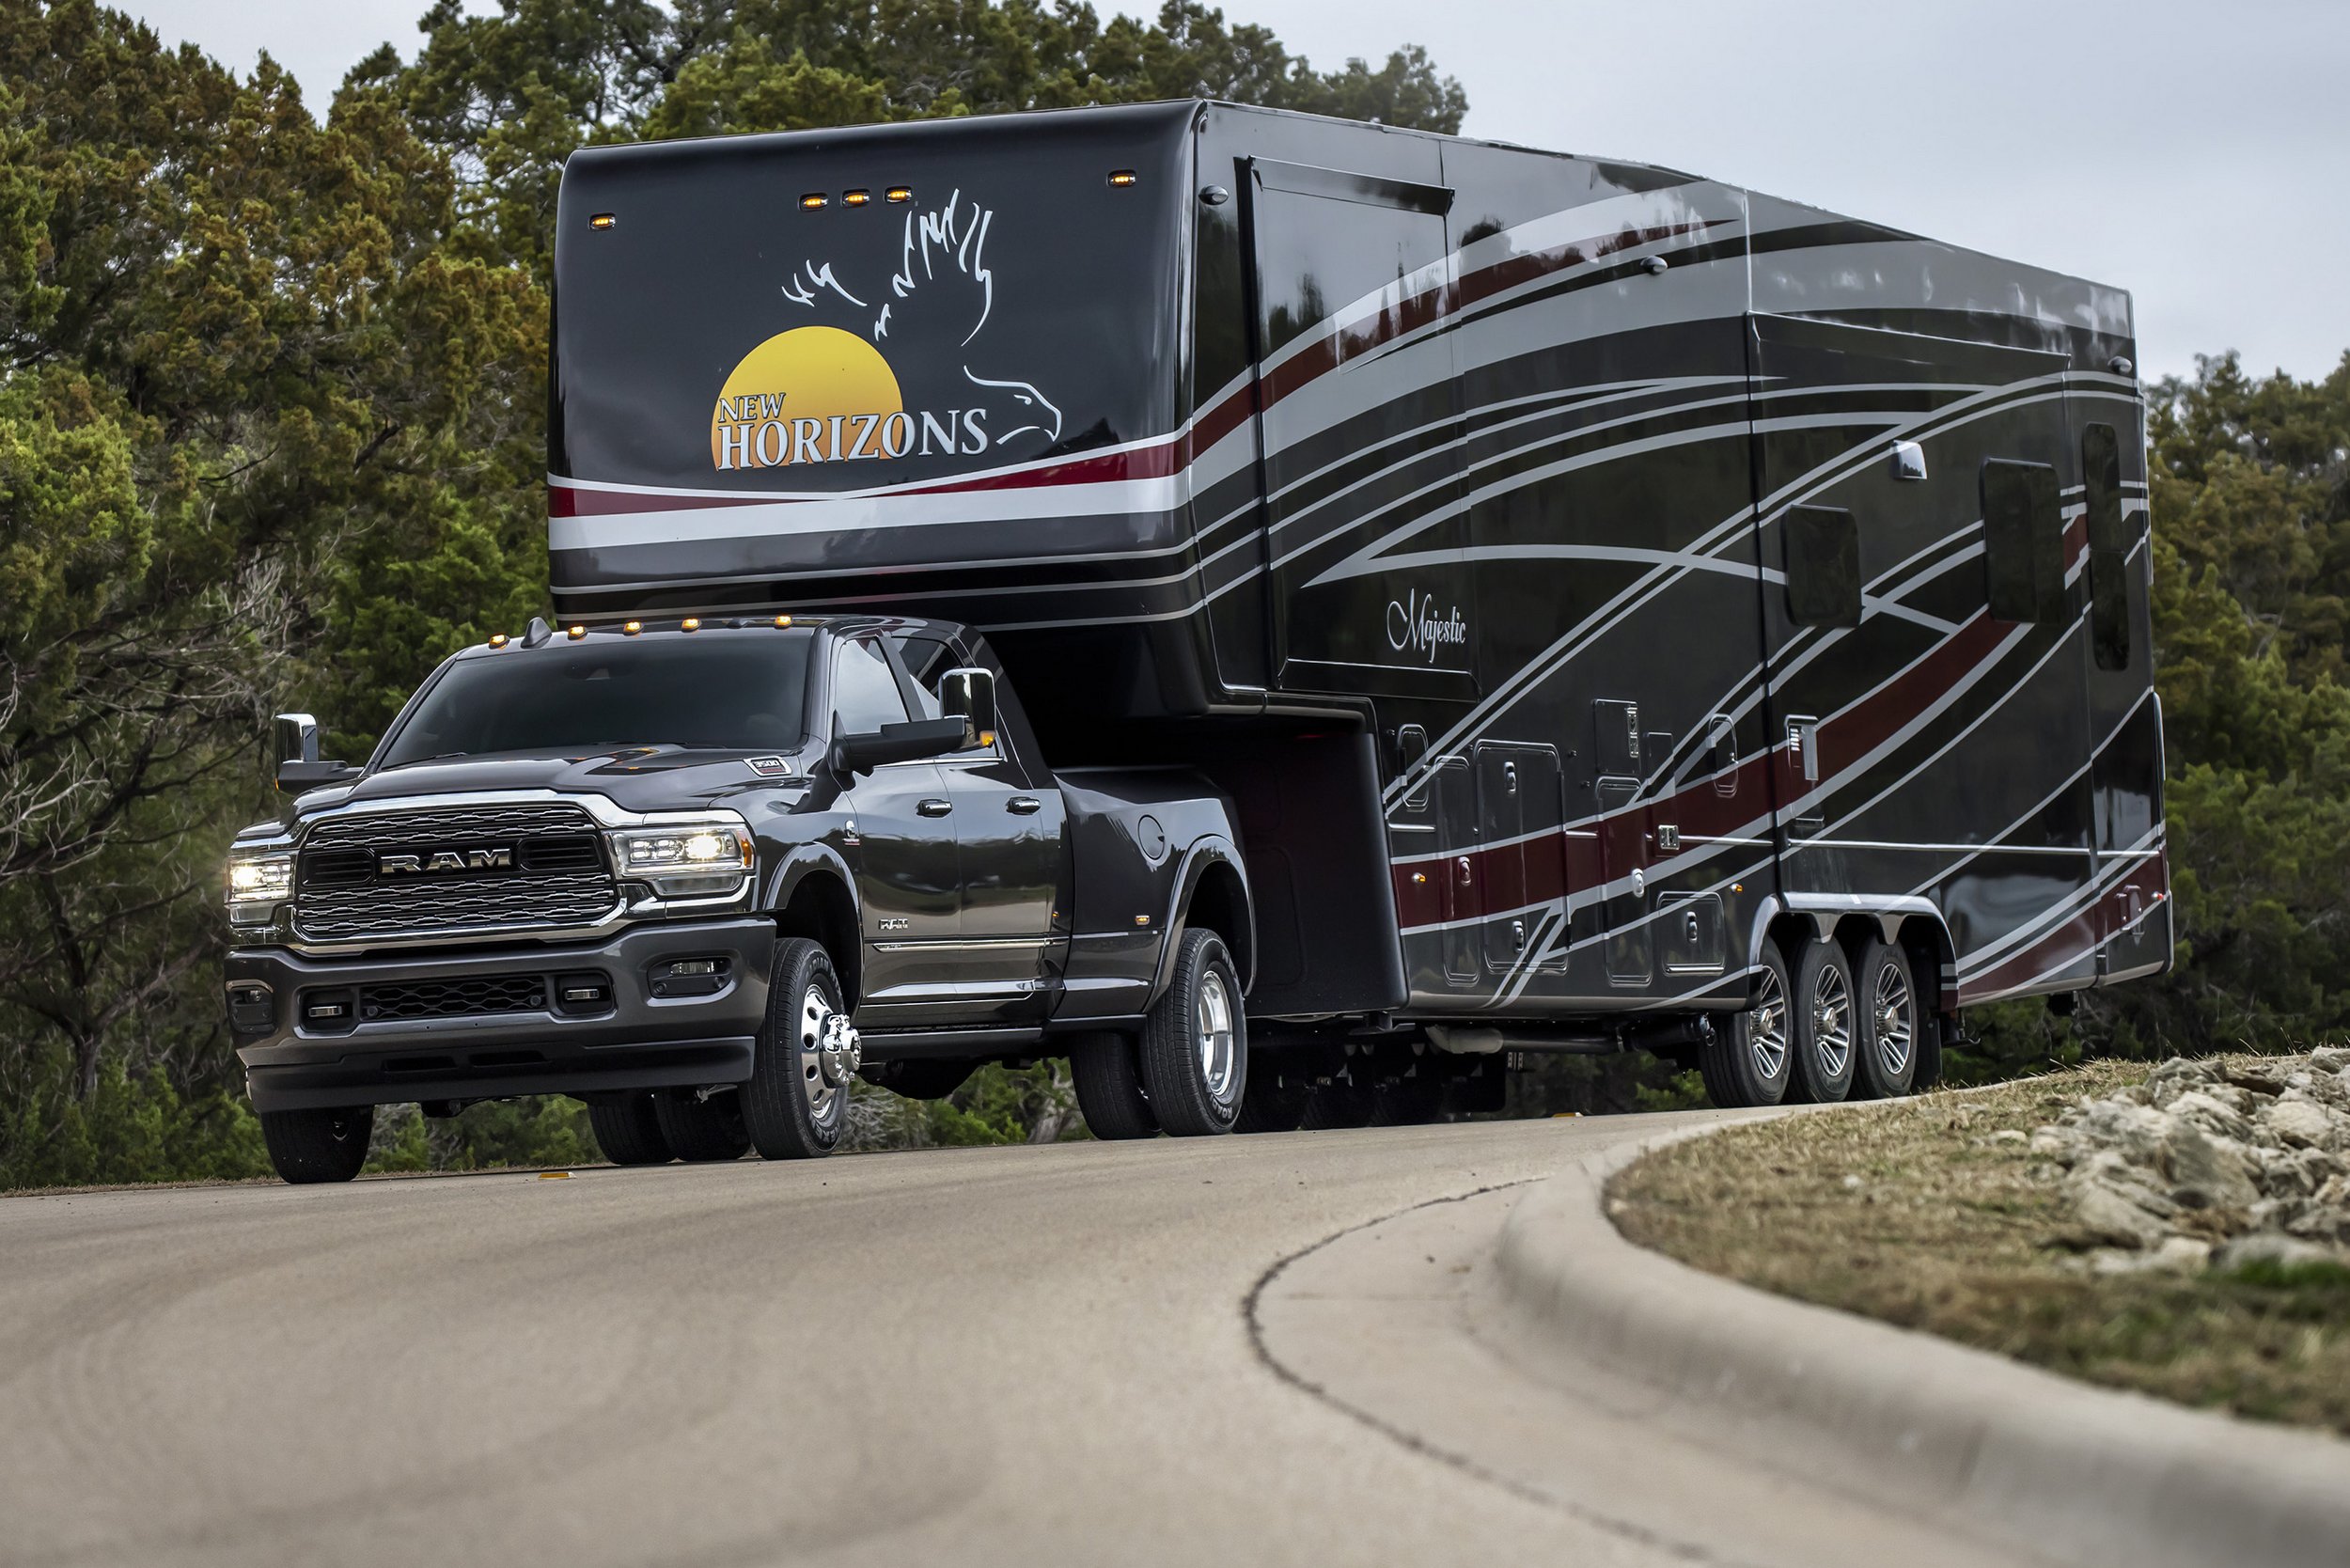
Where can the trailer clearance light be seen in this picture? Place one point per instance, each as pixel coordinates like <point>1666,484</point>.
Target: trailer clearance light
<point>813,200</point>
<point>1121,178</point>
<point>900,193</point>
<point>855,198</point>
<point>604,220</point>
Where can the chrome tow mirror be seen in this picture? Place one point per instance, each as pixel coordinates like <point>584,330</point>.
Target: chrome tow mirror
<point>969,694</point>
<point>294,757</point>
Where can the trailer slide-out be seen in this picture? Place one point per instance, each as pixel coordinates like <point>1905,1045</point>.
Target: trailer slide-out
<point>1624,609</point>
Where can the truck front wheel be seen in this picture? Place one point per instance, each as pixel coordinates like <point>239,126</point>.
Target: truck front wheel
<point>628,1130</point>
<point>796,1105</point>
<point>1195,1042</point>
<point>318,1145</point>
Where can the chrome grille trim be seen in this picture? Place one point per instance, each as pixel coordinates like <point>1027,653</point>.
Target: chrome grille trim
<point>425,909</point>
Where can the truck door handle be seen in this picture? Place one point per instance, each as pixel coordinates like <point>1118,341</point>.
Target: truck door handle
<point>936,808</point>
<point>1024,805</point>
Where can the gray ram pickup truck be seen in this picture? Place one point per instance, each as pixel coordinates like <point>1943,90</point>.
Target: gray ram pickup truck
<point>701,874</point>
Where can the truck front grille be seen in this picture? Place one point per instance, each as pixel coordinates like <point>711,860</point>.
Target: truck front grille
<point>451,871</point>
<point>473,998</point>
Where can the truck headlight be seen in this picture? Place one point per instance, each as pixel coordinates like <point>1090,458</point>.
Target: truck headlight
<point>684,858</point>
<point>258,884</point>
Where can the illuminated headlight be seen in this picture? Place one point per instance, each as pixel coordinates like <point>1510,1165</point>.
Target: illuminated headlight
<point>258,884</point>
<point>686,858</point>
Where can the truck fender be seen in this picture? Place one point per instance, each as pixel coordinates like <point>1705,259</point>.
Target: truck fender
<point>801,862</point>
<point>1206,854</point>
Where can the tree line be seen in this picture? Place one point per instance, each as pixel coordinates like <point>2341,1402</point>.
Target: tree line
<point>272,436</point>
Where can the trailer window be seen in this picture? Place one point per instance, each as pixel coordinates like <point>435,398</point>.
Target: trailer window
<point>1411,744</point>
<point>2109,547</point>
<point>1823,550</point>
<point>2023,541</point>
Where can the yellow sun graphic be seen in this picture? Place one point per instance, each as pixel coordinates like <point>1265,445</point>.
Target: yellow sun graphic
<point>811,372</point>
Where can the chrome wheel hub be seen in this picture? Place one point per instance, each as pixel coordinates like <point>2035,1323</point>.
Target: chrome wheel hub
<point>829,1054</point>
<point>1892,1010</point>
<point>1767,1027</point>
<point>1218,1040</point>
<point>1831,1022</point>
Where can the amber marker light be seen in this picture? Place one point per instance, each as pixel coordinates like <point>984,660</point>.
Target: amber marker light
<point>497,639</point>
<point>900,193</point>
<point>604,220</point>
<point>855,198</point>
<point>632,627</point>
<point>813,200</point>
<point>1121,178</point>
<point>689,624</point>
<point>577,632</point>
<point>782,621</point>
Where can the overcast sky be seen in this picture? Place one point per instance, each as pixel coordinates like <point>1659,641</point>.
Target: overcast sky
<point>2196,152</point>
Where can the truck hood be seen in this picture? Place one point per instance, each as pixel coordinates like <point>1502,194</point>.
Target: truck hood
<point>637,778</point>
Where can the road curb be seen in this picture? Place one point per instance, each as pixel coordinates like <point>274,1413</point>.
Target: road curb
<point>2061,1469</point>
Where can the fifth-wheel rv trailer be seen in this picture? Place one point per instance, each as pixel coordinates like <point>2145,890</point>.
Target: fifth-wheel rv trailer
<point>1623,610</point>
<point>1282,611</point>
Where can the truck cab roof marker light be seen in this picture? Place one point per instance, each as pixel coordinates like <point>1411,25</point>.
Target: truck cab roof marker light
<point>629,628</point>
<point>689,624</point>
<point>577,633</point>
<point>782,621</point>
<point>497,639</point>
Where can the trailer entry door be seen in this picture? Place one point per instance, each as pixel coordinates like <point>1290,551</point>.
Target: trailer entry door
<point>1358,431</point>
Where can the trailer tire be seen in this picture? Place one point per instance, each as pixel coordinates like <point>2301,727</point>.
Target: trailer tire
<point>1892,1025</point>
<point>1108,1077</point>
<point>309,1146</point>
<point>1822,1026</point>
<point>701,1131</point>
<point>1749,1060</point>
<point>628,1130</point>
<point>796,1106</point>
<point>1195,1041</point>
<point>1277,1099</point>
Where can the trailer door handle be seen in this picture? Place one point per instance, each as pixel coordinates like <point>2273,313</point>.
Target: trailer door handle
<point>936,808</point>
<point>1024,805</point>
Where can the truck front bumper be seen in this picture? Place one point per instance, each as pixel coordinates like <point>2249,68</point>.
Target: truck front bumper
<point>476,1023</point>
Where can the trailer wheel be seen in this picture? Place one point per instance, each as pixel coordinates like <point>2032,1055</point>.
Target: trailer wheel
<point>1826,1026</point>
<point>796,1105</point>
<point>1747,1063</point>
<point>700,1131</point>
<point>1277,1099</point>
<point>1195,1042</point>
<point>1892,1025</point>
<point>1108,1074</point>
<point>309,1146</point>
<point>628,1130</point>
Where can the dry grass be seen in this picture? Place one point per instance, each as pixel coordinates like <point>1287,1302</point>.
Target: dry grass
<point>1914,1213</point>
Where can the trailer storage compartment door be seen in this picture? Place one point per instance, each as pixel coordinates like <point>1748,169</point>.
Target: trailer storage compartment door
<point>1366,533</point>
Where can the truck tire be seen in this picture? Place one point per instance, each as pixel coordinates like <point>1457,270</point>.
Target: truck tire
<point>628,1130</point>
<point>1195,1041</point>
<point>1822,1026</point>
<point>700,1131</point>
<point>1892,1025</point>
<point>309,1146</point>
<point>1108,1075</point>
<point>1276,1101</point>
<point>796,1106</point>
<point>1343,1102</point>
<point>1749,1061</point>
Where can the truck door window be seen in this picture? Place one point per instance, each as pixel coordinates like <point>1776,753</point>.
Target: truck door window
<point>2023,541</point>
<point>1823,550</point>
<point>2109,547</point>
<point>865,693</point>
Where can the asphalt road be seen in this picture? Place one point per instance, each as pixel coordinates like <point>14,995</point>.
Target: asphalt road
<point>955,1356</point>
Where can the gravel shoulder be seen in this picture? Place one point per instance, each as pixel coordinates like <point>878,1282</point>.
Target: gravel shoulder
<point>2171,1230</point>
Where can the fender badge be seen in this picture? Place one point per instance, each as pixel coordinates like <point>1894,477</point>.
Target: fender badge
<point>770,767</point>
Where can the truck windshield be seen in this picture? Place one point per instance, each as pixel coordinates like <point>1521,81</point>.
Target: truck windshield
<point>720,690</point>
